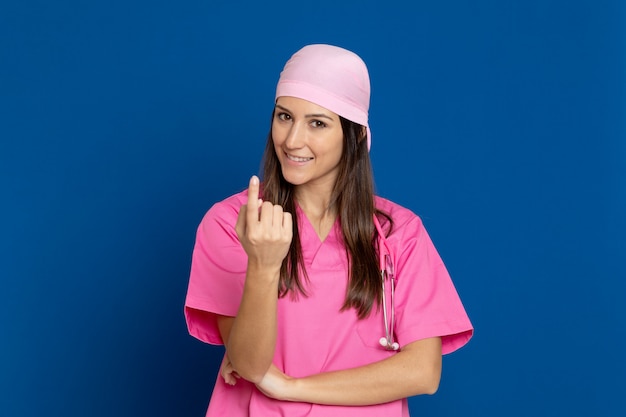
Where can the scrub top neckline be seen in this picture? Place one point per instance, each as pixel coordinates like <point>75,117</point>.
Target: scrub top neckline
<point>305,223</point>
<point>313,247</point>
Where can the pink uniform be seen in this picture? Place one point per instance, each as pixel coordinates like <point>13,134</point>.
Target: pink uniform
<point>314,336</point>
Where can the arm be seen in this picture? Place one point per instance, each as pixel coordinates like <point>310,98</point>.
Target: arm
<point>265,232</point>
<point>224,323</point>
<point>415,370</point>
<point>251,335</point>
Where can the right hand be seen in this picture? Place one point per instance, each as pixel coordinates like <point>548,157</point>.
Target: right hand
<point>264,229</point>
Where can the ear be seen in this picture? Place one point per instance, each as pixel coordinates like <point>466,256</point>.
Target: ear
<point>363,133</point>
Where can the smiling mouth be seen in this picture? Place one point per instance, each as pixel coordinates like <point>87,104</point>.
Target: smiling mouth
<point>298,159</point>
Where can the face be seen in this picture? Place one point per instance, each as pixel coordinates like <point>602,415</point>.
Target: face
<point>308,140</point>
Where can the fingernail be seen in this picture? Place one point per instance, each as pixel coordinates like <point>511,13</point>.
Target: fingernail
<point>254,180</point>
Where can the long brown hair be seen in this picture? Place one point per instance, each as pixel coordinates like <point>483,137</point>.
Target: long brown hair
<point>353,199</point>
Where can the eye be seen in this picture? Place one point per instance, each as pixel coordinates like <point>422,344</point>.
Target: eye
<point>283,116</point>
<point>318,124</point>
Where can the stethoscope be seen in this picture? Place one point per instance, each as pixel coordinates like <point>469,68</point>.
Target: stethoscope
<point>387,273</point>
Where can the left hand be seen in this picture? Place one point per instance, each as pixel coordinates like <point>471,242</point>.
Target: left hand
<point>275,384</point>
<point>227,372</point>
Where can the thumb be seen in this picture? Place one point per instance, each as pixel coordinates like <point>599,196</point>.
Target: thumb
<point>240,226</point>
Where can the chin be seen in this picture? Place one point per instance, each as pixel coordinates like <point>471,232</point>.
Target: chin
<point>293,179</point>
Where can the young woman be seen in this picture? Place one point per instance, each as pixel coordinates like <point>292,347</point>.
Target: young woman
<point>329,300</point>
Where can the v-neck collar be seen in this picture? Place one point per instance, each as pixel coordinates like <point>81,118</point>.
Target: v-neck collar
<point>312,246</point>
<point>305,223</point>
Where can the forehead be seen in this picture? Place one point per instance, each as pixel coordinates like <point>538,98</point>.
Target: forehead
<point>300,105</point>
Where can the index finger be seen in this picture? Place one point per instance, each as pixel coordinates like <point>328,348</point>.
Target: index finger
<point>253,195</point>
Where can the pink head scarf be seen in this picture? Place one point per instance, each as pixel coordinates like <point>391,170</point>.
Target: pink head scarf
<point>331,77</point>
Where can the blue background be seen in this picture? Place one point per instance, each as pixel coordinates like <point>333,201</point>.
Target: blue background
<point>501,123</point>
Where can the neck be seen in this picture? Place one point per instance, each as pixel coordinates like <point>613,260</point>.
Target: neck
<point>316,207</point>
<point>314,198</point>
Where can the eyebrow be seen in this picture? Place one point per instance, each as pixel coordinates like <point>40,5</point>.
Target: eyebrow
<point>307,115</point>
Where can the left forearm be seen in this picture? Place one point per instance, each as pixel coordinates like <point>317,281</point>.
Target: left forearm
<point>414,370</point>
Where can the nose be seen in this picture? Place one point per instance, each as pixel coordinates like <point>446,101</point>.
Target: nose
<point>296,136</point>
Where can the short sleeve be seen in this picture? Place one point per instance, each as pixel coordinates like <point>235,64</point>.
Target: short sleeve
<point>218,270</point>
<point>427,303</point>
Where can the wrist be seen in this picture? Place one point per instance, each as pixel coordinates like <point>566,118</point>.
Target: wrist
<point>262,271</point>
<point>295,390</point>
<point>290,389</point>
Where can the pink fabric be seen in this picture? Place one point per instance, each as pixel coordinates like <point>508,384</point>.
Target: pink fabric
<point>313,334</point>
<point>331,77</point>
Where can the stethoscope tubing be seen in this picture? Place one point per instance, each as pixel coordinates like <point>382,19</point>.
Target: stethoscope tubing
<point>387,273</point>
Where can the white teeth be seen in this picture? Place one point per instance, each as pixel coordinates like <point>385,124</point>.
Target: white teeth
<point>298,159</point>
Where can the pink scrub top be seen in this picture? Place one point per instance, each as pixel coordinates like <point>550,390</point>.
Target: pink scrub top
<point>314,335</point>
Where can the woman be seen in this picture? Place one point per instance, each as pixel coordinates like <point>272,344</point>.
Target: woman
<point>287,275</point>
